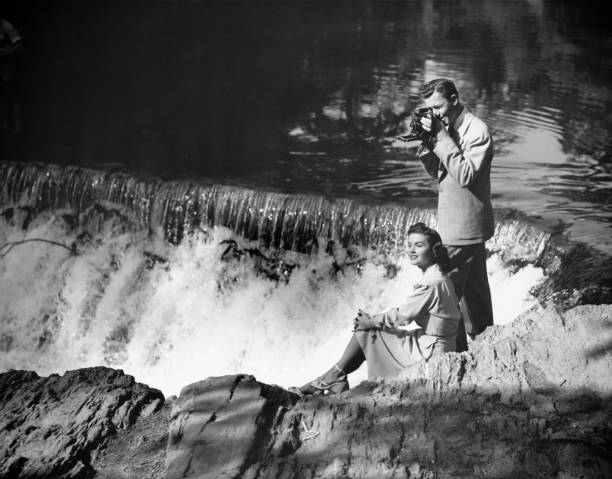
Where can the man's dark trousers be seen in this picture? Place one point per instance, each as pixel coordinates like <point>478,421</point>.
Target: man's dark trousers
<point>468,272</point>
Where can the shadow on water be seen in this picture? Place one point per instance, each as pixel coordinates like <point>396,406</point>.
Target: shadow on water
<point>175,87</point>
<point>307,97</point>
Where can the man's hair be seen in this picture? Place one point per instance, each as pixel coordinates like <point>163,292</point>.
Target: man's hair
<point>443,85</point>
<point>440,253</point>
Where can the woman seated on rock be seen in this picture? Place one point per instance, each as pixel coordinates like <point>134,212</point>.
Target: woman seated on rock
<point>430,316</point>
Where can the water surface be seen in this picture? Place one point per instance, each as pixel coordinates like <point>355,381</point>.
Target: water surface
<point>307,96</point>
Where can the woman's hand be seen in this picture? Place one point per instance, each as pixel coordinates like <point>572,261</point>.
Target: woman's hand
<point>364,321</point>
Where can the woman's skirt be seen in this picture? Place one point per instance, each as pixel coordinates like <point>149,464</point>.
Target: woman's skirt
<point>387,352</point>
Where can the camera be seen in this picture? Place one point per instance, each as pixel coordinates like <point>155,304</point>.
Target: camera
<point>417,132</point>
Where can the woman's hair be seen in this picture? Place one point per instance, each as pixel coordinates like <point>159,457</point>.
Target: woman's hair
<point>440,253</point>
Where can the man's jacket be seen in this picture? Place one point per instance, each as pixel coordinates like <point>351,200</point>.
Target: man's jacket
<point>462,165</point>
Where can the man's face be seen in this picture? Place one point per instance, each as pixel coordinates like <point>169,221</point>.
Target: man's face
<point>442,107</point>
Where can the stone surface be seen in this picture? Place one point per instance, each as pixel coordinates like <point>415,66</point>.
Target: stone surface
<point>543,351</point>
<point>220,426</point>
<point>529,400</point>
<point>137,452</point>
<point>52,426</point>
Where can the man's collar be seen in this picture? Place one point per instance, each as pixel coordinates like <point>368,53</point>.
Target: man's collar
<point>459,120</point>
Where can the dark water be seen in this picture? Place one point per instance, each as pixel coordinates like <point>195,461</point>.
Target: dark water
<point>307,96</point>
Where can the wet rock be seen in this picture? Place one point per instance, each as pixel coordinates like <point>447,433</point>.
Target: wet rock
<point>20,216</point>
<point>576,274</point>
<point>52,426</point>
<point>152,260</point>
<point>530,399</point>
<point>273,268</point>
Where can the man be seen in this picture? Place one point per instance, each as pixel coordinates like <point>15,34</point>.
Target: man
<point>459,156</point>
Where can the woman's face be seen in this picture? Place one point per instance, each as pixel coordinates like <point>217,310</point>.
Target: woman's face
<point>419,251</point>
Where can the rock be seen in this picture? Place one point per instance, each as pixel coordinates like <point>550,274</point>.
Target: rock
<point>219,426</point>
<point>545,351</point>
<point>52,426</point>
<point>529,400</point>
<point>136,452</point>
<point>576,274</point>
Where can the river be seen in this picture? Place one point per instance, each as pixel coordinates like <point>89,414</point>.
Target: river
<point>307,96</point>
<point>151,134</point>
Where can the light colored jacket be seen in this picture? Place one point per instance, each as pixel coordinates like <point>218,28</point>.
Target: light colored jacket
<point>462,166</point>
<point>432,306</point>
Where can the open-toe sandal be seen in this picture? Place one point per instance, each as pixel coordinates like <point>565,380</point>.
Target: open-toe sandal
<point>318,386</point>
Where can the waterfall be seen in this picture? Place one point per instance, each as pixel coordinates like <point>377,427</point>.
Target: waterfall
<point>143,283</point>
<point>283,221</point>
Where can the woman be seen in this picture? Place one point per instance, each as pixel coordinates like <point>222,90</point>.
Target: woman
<point>426,325</point>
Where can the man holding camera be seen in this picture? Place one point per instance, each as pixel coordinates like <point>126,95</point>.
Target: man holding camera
<point>457,151</point>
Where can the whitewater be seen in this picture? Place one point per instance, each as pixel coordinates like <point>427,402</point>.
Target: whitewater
<point>144,284</point>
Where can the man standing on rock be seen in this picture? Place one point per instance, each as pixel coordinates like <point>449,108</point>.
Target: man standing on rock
<point>459,156</point>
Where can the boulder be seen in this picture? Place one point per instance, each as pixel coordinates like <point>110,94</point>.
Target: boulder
<point>220,426</point>
<point>52,426</point>
<point>529,400</point>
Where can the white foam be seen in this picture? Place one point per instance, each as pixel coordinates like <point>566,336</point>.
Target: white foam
<point>196,316</point>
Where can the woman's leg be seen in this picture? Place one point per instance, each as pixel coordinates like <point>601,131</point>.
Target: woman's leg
<point>351,359</point>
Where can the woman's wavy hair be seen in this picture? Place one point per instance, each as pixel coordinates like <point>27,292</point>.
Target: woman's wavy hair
<point>440,253</point>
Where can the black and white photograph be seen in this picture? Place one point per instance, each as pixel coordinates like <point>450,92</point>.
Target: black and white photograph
<point>308,239</point>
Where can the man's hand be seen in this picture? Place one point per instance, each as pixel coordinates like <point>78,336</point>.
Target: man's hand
<point>435,127</point>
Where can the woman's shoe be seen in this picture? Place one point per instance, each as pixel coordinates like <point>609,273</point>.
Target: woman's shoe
<point>318,386</point>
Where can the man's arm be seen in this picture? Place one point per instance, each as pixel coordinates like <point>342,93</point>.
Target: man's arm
<point>463,166</point>
<point>430,161</point>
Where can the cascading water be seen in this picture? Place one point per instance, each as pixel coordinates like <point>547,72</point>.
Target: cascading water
<point>177,281</point>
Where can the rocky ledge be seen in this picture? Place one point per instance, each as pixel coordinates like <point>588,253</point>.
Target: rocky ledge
<point>52,427</point>
<point>529,400</point>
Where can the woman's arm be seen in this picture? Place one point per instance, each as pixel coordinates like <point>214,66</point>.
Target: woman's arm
<point>419,302</point>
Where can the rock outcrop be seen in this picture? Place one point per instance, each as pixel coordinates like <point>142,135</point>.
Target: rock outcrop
<point>222,425</point>
<point>529,400</point>
<point>52,426</point>
<point>138,452</point>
